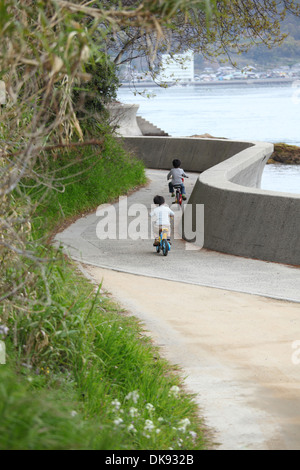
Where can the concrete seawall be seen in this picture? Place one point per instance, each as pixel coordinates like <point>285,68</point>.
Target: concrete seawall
<point>240,218</point>
<point>196,154</point>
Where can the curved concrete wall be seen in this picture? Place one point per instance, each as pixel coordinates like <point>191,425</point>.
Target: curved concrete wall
<point>123,117</point>
<point>247,221</point>
<point>196,154</point>
<point>240,219</point>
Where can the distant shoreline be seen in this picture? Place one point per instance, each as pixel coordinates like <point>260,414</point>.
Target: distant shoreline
<point>248,82</point>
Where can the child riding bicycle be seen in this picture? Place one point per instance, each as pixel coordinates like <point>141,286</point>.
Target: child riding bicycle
<point>162,213</point>
<point>177,174</point>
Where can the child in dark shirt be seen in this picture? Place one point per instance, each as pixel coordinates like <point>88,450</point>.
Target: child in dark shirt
<point>176,175</point>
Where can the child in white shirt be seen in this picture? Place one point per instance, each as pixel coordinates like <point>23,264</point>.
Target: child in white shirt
<point>162,213</point>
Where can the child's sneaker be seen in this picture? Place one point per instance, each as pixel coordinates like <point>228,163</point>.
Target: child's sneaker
<point>184,197</point>
<point>173,195</point>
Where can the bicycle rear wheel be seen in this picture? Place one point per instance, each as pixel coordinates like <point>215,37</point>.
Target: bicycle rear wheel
<point>178,197</point>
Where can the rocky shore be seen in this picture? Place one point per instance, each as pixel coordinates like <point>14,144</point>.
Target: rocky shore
<point>284,153</point>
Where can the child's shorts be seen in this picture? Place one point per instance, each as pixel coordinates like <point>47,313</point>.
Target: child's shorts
<point>158,230</point>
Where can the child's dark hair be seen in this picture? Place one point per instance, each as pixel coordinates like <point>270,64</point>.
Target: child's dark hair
<point>176,163</point>
<point>159,200</point>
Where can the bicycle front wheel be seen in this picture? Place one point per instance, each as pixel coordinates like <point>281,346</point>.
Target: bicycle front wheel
<point>165,247</point>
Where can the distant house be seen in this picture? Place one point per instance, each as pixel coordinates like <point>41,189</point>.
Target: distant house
<point>177,67</point>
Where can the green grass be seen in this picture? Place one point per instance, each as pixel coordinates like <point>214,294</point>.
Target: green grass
<point>97,176</point>
<point>81,373</point>
<point>35,419</point>
<point>98,365</point>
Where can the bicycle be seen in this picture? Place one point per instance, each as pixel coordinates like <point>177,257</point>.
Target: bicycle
<point>164,244</point>
<point>178,193</point>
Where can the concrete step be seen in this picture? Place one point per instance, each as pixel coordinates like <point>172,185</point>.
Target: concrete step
<point>149,129</point>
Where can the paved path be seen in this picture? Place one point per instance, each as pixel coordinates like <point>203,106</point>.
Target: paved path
<point>235,352</point>
<point>218,317</point>
<point>200,267</point>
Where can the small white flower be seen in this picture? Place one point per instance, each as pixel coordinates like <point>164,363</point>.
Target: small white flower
<point>150,407</point>
<point>180,442</point>
<point>116,404</point>
<point>73,414</point>
<point>160,419</point>
<point>131,428</point>
<point>181,429</point>
<point>134,412</point>
<point>118,421</point>
<point>134,396</point>
<point>174,391</point>
<point>193,434</point>
<point>157,431</point>
<point>149,422</point>
<point>183,424</point>
<point>149,426</point>
<point>3,330</point>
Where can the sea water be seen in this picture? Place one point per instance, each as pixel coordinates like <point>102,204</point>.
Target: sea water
<point>265,113</point>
